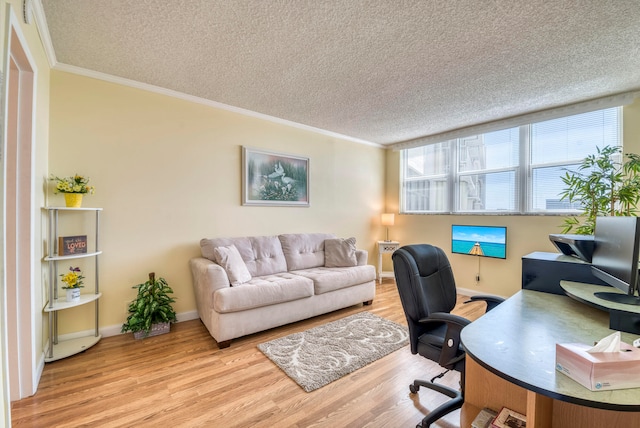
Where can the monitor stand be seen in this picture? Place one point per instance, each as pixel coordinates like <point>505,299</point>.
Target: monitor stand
<point>624,299</point>
<point>622,317</point>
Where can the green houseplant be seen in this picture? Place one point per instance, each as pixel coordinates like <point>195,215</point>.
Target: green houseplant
<point>151,312</point>
<point>606,184</point>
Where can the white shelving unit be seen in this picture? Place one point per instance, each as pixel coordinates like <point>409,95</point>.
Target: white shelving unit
<point>62,349</point>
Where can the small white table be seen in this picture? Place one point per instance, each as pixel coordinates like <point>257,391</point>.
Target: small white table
<point>385,247</point>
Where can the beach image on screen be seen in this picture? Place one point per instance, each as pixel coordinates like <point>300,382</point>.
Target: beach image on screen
<point>487,241</point>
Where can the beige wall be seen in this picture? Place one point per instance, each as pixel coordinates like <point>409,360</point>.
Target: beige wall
<point>168,172</point>
<point>525,234</point>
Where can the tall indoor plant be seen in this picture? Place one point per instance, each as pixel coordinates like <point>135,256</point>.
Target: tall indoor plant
<point>151,312</point>
<point>606,184</point>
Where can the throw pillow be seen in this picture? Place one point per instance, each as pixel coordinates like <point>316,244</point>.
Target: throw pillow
<point>229,258</point>
<point>340,252</point>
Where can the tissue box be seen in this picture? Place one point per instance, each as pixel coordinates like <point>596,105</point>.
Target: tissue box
<point>600,371</point>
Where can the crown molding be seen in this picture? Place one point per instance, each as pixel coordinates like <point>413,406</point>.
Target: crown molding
<point>45,37</point>
<point>180,95</point>
<point>43,30</point>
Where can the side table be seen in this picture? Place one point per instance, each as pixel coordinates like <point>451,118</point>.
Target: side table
<point>385,247</point>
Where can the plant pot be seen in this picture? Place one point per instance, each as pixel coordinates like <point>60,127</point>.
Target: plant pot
<point>73,200</point>
<point>156,329</point>
<point>73,294</point>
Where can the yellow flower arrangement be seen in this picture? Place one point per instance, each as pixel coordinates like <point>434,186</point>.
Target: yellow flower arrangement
<point>73,278</point>
<point>75,184</point>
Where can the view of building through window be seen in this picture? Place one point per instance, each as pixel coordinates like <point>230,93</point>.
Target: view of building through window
<point>515,170</point>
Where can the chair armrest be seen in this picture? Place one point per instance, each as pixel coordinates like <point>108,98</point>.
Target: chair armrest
<point>449,355</point>
<point>492,301</point>
<point>450,319</point>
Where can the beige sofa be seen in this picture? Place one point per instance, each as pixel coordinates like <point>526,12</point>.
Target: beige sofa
<point>250,284</point>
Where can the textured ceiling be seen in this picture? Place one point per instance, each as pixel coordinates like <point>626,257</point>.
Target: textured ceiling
<point>382,71</point>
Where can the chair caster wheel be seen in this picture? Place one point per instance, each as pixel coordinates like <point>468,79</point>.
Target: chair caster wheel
<point>414,389</point>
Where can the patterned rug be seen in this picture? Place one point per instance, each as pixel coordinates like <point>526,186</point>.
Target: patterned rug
<point>323,354</point>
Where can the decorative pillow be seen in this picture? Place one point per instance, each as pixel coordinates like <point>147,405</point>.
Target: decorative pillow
<point>229,258</point>
<point>340,252</point>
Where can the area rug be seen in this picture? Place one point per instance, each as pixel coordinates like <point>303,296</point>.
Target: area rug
<point>323,354</point>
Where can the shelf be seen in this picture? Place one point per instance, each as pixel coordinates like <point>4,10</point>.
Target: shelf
<point>67,348</point>
<point>72,256</point>
<point>468,413</point>
<point>54,306</point>
<point>72,209</point>
<point>61,304</point>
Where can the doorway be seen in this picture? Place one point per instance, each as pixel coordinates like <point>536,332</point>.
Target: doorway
<point>19,248</point>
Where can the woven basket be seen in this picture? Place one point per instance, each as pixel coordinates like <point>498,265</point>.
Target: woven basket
<point>156,329</point>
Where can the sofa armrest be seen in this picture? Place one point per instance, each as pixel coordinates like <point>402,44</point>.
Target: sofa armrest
<point>207,277</point>
<point>362,256</point>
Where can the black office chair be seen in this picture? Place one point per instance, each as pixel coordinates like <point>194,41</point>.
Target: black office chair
<point>428,294</point>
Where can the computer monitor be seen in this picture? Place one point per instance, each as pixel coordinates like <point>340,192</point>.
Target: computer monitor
<point>615,257</point>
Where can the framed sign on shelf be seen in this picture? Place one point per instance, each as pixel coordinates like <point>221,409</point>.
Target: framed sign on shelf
<point>274,179</point>
<point>71,245</point>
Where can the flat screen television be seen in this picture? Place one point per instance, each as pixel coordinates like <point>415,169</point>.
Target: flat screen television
<point>484,241</point>
<point>615,257</point>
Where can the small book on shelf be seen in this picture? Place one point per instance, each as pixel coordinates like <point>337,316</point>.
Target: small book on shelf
<point>484,418</point>
<point>508,418</point>
<point>69,245</point>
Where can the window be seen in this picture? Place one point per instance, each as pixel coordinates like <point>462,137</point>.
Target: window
<point>514,170</point>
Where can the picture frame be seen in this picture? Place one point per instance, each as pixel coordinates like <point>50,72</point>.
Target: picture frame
<point>508,418</point>
<point>481,241</point>
<point>274,179</point>
<point>72,245</point>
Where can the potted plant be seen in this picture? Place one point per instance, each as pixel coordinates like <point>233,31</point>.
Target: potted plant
<point>151,312</point>
<point>603,185</point>
<point>73,280</point>
<point>73,188</point>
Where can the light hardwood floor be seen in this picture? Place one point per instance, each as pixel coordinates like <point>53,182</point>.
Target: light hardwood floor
<point>182,379</point>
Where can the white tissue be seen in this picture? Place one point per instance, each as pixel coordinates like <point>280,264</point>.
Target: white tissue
<point>610,343</point>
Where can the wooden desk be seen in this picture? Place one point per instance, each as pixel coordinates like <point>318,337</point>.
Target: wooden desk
<point>511,362</point>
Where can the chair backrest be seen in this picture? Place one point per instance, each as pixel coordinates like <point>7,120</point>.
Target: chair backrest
<point>425,283</point>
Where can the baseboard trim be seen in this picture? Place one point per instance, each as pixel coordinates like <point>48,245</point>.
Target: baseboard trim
<point>469,292</point>
<point>114,330</point>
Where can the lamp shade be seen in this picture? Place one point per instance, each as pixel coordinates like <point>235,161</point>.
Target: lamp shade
<point>388,219</point>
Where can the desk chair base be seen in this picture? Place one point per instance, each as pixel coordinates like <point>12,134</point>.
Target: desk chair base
<point>456,402</point>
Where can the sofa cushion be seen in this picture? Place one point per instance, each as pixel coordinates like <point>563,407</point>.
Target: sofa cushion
<point>340,252</point>
<point>229,258</point>
<point>261,254</point>
<point>304,250</point>
<point>327,279</point>
<point>262,291</point>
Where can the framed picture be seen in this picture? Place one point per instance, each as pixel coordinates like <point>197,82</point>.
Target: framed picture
<point>507,418</point>
<point>276,179</point>
<point>484,241</point>
<point>69,245</point>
